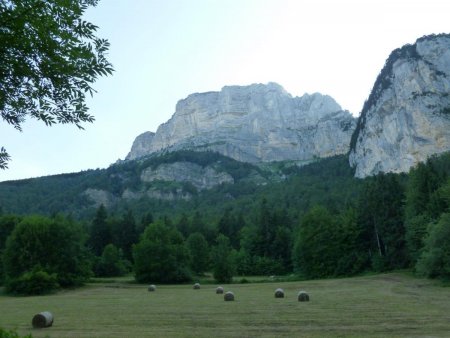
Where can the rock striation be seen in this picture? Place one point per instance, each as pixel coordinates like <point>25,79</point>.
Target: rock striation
<point>406,118</point>
<point>255,123</point>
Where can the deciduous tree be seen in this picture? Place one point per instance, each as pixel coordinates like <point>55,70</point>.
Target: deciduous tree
<point>435,259</point>
<point>52,245</point>
<point>160,255</point>
<point>49,59</point>
<point>223,266</point>
<point>199,252</point>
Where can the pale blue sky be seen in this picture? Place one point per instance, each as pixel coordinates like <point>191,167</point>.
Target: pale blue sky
<point>164,50</point>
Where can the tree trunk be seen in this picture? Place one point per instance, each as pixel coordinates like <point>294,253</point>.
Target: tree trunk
<point>378,238</point>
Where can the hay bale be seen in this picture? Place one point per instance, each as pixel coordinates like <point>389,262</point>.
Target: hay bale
<point>152,288</point>
<point>43,319</point>
<point>279,293</point>
<point>303,296</point>
<point>219,290</point>
<point>228,296</point>
<point>196,286</point>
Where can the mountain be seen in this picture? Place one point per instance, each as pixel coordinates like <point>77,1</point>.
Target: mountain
<point>255,123</point>
<point>183,182</point>
<point>406,118</point>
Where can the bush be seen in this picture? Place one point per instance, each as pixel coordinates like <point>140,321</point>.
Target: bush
<point>36,282</point>
<point>12,334</point>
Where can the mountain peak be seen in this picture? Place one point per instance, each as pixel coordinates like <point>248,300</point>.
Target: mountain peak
<point>254,123</point>
<point>406,118</point>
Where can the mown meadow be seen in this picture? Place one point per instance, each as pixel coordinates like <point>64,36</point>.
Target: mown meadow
<point>383,305</point>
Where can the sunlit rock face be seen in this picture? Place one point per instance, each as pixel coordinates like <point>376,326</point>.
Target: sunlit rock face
<point>407,116</point>
<point>255,123</point>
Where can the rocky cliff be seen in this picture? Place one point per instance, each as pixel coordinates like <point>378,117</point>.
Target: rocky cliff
<point>255,123</point>
<point>200,177</point>
<point>407,116</point>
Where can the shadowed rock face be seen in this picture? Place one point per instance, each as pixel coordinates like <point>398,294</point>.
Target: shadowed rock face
<point>255,123</point>
<point>407,116</point>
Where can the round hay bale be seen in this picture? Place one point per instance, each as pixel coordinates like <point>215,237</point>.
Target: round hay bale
<point>152,288</point>
<point>43,319</point>
<point>228,296</point>
<point>196,286</point>
<point>303,296</point>
<point>219,290</point>
<point>279,293</point>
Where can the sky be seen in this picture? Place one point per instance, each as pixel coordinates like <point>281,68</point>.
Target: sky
<point>164,50</point>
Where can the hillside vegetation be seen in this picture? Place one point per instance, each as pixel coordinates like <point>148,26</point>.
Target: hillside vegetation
<point>314,221</point>
<point>292,187</point>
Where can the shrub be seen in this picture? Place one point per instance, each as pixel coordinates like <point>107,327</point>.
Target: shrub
<point>12,334</point>
<point>36,282</point>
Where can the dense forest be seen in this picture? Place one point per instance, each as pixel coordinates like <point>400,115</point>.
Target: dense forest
<point>313,221</point>
<point>327,182</point>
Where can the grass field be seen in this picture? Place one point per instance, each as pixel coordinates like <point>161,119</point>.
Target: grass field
<point>387,305</point>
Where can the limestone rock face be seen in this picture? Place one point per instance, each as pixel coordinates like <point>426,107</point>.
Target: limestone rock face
<point>99,197</point>
<point>407,116</point>
<point>141,142</point>
<point>199,177</point>
<point>253,123</point>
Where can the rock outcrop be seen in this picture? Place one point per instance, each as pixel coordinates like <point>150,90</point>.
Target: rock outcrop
<point>157,193</point>
<point>407,116</point>
<point>255,123</point>
<point>99,197</point>
<point>200,177</point>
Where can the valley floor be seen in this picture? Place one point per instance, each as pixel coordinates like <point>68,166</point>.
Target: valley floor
<point>386,305</point>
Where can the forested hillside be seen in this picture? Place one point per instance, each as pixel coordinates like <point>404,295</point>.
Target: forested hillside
<point>315,221</point>
<point>283,184</point>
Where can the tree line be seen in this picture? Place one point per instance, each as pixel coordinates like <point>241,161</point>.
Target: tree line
<point>396,222</point>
